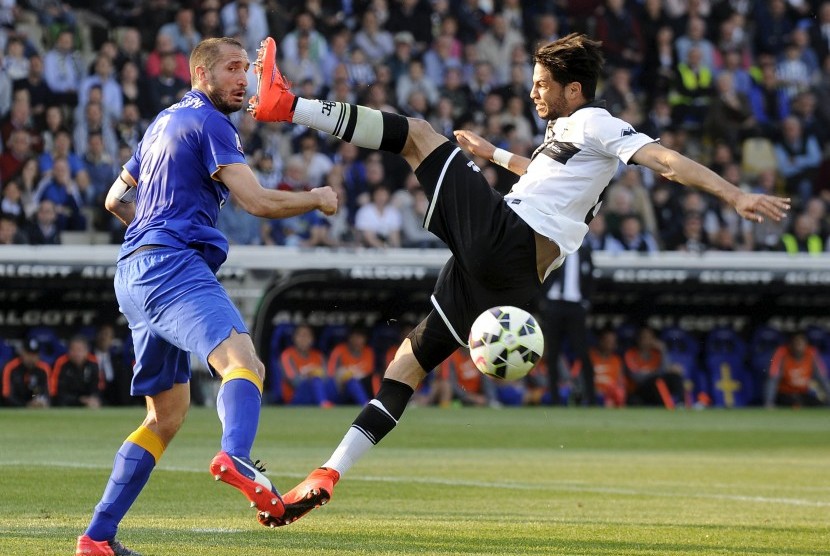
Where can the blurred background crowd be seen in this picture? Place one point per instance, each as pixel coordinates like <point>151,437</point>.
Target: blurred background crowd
<point>740,85</point>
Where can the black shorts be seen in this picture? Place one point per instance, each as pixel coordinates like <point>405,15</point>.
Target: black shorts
<point>494,253</point>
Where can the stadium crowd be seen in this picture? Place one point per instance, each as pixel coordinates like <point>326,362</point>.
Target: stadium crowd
<point>742,86</point>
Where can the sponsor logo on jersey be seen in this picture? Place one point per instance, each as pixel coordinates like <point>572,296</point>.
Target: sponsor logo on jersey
<point>628,131</point>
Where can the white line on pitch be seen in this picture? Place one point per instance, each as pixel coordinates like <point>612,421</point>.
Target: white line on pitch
<point>565,487</point>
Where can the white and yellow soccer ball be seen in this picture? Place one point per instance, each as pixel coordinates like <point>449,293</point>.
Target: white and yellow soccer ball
<point>506,342</point>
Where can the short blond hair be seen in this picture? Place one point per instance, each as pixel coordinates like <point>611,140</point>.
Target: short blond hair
<point>206,53</point>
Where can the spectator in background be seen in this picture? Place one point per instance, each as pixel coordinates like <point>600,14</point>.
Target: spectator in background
<point>794,369</point>
<point>413,214</point>
<point>111,94</point>
<point>496,45</point>
<point>379,223</point>
<point>375,42</point>
<point>164,48</point>
<point>352,364</point>
<point>803,238</point>
<point>183,31</point>
<point>798,156</point>
<point>76,380</point>
<point>61,148</point>
<point>695,38</point>
<point>794,76</point>
<point>26,378</point>
<point>20,118</point>
<point>439,58</point>
<point>466,383</point>
<point>303,67</point>
<point>692,90</point>
<point>129,129</point>
<point>304,371</point>
<point>338,53</point>
<point>266,172</point>
<point>609,370</point>
<point>10,233</point>
<point>456,90</point>
<point>11,203</point>
<point>773,26</point>
<point>317,164</point>
<point>43,228</point>
<point>359,71</point>
<point>63,70</point>
<point>238,225</point>
<point>304,24</point>
<point>40,95</point>
<point>167,87</point>
<point>62,190</point>
<point>632,237</point>
<point>15,62</point>
<point>650,381</point>
<point>769,102</point>
<point>94,121</point>
<point>729,117</point>
<point>54,121</point>
<point>129,50</point>
<point>691,237</point>
<point>116,376</point>
<point>413,16</point>
<point>618,27</point>
<point>17,150</point>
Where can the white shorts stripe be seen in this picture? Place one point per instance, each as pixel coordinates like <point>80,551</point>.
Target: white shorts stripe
<point>446,321</point>
<point>434,200</point>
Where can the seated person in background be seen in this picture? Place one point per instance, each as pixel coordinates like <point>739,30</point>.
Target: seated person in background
<point>650,382</point>
<point>115,373</point>
<point>26,378</point>
<point>351,365</point>
<point>609,371</point>
<point>304,371</point>
<point>467,384</point>
<point>793,369</point>
<point>532,389</point>
<point>76,379</point>
<point>434,390</point>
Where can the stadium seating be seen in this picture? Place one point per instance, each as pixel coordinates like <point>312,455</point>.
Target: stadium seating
<point>763,343</point>
<point>725,363</point>
<point>51,345</point>
<point>683,349</point>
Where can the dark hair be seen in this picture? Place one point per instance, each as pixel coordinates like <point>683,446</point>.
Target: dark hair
<point>573,58</point>
<point>206,52</point>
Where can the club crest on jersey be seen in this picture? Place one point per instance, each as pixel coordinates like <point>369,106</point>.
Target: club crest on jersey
<point>239,145</point>
<point>628,131</point>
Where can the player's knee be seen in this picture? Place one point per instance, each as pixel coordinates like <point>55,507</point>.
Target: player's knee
<point>167,422</point>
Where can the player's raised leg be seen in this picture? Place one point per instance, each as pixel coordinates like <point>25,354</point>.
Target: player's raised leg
<point>412,138</point>
<point>238,405</point>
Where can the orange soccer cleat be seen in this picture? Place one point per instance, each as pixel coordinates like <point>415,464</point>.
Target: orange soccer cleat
<point>312,493</point>
<point>89,547</point>
<point>247,476</point>
<point>273,101</point>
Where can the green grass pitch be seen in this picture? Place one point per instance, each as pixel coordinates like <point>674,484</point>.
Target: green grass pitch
<point>451,482</point>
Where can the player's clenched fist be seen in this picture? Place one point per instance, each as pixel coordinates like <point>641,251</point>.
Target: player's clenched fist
<point>327,199</point>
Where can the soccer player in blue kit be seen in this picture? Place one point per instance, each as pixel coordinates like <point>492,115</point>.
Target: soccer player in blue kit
<point>169,194</point>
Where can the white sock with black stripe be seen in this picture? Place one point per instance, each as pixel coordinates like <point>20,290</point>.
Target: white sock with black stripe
<point>362,126</point>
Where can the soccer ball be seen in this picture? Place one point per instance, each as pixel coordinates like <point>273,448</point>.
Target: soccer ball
<point>506,342</point>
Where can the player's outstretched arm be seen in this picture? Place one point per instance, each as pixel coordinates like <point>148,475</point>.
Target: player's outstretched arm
<point>272,203</point>
<point>676,167</point>
<point>478,146</point>
<point>121,198</point>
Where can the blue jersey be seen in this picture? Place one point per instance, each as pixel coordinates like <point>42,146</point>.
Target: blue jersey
<point>178,197</point>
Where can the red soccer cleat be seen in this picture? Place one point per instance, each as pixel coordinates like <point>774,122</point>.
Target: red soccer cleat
<point>273,101</point>
<point>89,547</point>
<point>312,493</point>
<point>247,476</point>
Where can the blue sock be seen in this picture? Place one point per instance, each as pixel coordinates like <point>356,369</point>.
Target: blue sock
<point>238,404</point>
<point>133,464</point>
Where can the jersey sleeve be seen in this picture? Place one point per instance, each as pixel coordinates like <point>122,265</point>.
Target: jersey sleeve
<point>221,145</point>
<point>616,137</point>
<point>133,165</point>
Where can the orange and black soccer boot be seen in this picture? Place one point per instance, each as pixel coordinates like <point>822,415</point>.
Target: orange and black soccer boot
<point>312,493</point>
<point>247,476</point>
<point>273,101</point>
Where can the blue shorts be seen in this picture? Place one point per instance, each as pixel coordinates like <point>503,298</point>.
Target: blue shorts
<point>175,306</point>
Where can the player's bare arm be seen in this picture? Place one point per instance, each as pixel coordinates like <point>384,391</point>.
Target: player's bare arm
<point>478,146</point>
<point>121,198</point>
<point>273,203</point>
<point>676,167</point>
